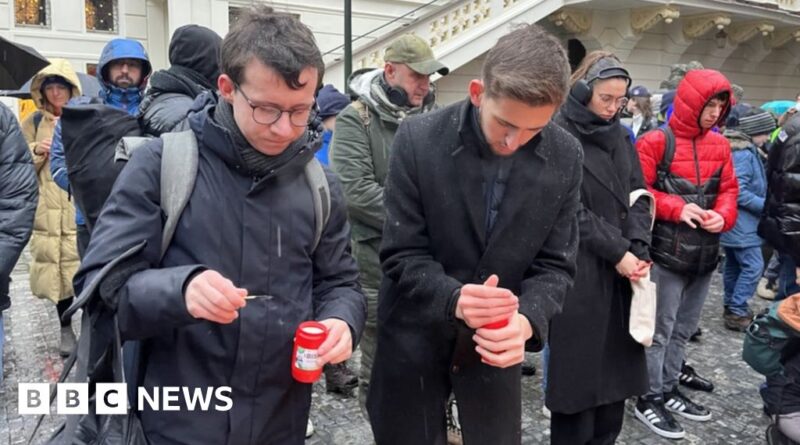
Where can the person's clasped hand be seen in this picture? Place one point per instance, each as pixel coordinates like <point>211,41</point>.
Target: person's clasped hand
<point>42,147</point>
<point>483,304</point>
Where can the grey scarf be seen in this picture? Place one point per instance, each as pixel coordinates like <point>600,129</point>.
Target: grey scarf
<point>381,101</point>
<point>259,164</point>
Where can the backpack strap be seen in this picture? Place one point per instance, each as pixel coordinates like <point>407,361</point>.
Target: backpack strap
<point>321,193</point>
<point>363,112</point>
<point>37,119</point>
<point>662,170</point>
<point>179,160</point>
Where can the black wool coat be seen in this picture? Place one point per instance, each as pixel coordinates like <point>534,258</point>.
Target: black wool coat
<point>434,242</point>
<point>593,359</point>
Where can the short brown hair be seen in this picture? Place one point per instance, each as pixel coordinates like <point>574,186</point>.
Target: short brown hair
<point>275,39</point>
<point>529,65</point>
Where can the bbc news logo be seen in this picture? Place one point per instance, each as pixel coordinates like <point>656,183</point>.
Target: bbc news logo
<point>112,398</point>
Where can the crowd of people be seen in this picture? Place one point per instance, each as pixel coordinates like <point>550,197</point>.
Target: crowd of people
<point>444,241</point>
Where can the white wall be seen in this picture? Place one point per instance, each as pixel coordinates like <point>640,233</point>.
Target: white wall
<point>453,87</point>
<point>66,37</point>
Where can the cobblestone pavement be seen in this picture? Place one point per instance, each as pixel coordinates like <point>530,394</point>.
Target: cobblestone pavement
<point>31,355</point>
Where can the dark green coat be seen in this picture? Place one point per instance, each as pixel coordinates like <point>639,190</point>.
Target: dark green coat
<point>360,157</point>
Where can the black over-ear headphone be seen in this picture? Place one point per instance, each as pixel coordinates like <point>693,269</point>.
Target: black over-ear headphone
<point>582,90</point>
<point>399,97</point>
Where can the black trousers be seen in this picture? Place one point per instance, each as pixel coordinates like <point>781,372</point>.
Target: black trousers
<point>412,381</point>
<point>595,426</point>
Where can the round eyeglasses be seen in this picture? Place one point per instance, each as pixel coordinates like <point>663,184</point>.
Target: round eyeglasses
<point>266,115</point>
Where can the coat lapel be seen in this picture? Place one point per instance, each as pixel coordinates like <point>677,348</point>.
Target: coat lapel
<point>470,181</point>
<point>600,165</point>
<point>529,164</point>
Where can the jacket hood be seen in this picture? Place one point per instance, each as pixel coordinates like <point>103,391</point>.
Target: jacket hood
<point>123,49</point>
<point>57,67</point>
<point>694,92</point>
<point>360,83</point>
<point>737,139</point>
<point>197,48</point>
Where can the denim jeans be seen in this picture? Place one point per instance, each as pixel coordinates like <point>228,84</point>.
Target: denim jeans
<point>786,280</point>
<point>679,305</point>
<point>743,268</point>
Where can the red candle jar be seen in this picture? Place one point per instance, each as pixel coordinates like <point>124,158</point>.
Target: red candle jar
<point>307,339</point>
<point>496,324</point>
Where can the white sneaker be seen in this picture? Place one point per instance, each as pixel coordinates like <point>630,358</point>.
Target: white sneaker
<point>763,291</point>
<point>309,429</point>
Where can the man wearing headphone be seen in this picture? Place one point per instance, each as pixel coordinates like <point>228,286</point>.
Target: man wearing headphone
<point>360,157</point>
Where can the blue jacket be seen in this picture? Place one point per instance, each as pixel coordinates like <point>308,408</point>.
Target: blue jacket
<point>322,153</point>
<point>127,99</point>
<point>752,192</point>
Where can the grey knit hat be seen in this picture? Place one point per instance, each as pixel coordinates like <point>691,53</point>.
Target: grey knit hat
<point>755,122</point>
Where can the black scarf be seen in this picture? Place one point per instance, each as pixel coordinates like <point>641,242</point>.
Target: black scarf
<point>592,127</point>
<point>258,164</point>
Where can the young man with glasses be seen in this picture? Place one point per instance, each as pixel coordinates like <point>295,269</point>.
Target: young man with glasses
<point>248,229</point>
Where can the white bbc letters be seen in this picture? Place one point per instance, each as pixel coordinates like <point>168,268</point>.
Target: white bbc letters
<point>34,398</point>
<point>72,398</point>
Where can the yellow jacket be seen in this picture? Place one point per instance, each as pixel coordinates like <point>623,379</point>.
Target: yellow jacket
<point>54,254</point>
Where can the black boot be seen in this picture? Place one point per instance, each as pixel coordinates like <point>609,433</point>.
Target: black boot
<point>339,379</point>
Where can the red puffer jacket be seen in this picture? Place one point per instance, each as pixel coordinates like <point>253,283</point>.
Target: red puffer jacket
<point>713,150</point>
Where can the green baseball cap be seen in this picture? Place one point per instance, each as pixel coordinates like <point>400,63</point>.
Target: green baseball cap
<point>415,52</point>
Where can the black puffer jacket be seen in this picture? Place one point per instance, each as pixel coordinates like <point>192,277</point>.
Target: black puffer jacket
<point>780,223</point>
<point>18,196</point>
<point>194,55</point>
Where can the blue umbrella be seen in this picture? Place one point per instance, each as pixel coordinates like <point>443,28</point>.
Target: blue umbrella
<point>778,106</point>
<point>90,87</point>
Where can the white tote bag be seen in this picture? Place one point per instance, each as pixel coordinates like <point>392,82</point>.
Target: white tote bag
<point>643,303</point>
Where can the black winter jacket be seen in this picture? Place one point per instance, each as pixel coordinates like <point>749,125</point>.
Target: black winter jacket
<point>18,197</point>
<point>194,55</point>
<point>780,223</point>
<point>258,234</point>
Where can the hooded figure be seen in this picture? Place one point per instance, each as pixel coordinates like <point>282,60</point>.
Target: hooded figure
<point>695,201</point>
<point>54,258</point>
<point>194,56</point>
<point>126,98</point>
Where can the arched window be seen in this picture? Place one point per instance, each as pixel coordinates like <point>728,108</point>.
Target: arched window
<point>101,15</point>
<point>576,52</point>
<point>31,12</point>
